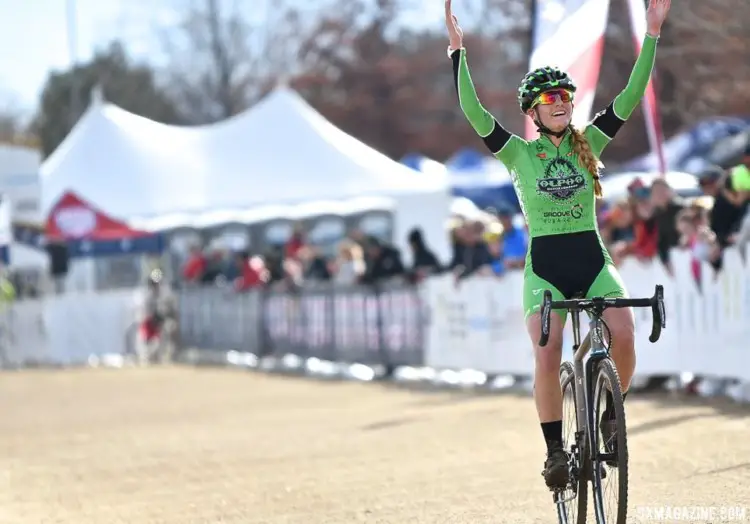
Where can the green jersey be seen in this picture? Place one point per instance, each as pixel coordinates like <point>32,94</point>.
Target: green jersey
<point>740,178</point>
<point>555,192</point>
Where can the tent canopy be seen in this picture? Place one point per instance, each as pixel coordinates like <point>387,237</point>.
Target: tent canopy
<point>280,151</point>
<point>89,232</point>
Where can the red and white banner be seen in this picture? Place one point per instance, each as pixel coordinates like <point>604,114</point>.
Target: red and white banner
<point>650,102</point>
<point>569,34</point>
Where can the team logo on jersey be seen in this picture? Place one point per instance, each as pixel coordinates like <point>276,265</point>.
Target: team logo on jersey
<point>561,180</point>
<point>574,212</point>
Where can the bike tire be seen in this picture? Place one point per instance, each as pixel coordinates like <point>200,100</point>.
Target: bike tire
<point>567,380</point>
<point>607,378</point>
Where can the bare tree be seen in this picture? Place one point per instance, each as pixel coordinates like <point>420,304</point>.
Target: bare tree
<point>221,63</point>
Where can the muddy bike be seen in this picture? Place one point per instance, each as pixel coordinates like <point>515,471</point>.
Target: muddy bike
<point>585,384</point>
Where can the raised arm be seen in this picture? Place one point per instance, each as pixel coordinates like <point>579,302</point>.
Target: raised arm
<point>630,97</point>
<point>501,143</point>
<point>606,124</point>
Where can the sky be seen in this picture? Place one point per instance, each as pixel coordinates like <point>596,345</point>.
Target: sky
<point>34,36</point>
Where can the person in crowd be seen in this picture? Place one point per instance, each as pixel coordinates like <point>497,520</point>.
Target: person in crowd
<point>645,244</point>
<point>251,271</point>
<point>295,242</point>
<point>8,292</point>
<point>514,240</point>
<point>159,322</point>
<point>215,267</point>
<point>727,210</point>
<point>495,248</point>
<point>274,263</point>
<point>617,228</point>
<point>740,173</point>
<point>470,252</point>
<point>566,254</point>
<point>740,191</point>
<point>195,265</point>
<point>697,238</point>
<point>314,265</point>
<point>349,266</point>
<point>666,208</point>
<point>384,261</point>
<point>424,260</point>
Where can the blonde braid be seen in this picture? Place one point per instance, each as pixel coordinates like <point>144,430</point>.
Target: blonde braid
<point>587,158</point>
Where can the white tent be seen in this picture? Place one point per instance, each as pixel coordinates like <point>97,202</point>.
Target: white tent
<point>279,152</point>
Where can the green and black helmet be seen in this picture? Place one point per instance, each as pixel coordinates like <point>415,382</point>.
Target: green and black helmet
<point>541,80</point>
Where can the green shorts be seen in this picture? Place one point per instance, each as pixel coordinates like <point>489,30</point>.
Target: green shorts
<point>569,265</point>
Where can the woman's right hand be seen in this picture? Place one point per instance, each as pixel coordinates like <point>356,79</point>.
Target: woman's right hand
<point>455,34</point>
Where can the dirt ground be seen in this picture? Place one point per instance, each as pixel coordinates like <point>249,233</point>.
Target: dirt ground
<point>183,446</point>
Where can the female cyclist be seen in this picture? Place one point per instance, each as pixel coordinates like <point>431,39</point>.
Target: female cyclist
<point>556,178</point>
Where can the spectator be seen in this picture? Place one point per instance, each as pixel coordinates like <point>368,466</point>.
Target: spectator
<point>295,242</point>
<point>350,264</point>
<point>470,254</point>
<point>274,264</point>
<point>314,266</point>
<point>252,272</point>
<point>666,207</point>
<point>160,312</point>
<point>384,261</point>
<point>495,249</point>
<point>195,265</point>
<point>645,242</point>
<point>214,267</point>
<point>425,262</point>
<point>697,237</point>
<point>726,212</point>
<point>740,179</point>
<point>514,241</point>
<point>741,173</point>
<point>619,222</point>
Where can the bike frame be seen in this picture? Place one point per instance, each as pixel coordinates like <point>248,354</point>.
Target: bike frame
<point>594,342</point>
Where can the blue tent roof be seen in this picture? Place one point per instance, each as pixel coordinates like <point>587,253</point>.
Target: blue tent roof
<point>466,158</point>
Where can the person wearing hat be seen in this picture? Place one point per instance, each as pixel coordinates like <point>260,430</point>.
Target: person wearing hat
<point>384,261</point>
<point>740,174</point>
<point>557,181</point>
<point>741,184</point>
<point>727,211</point>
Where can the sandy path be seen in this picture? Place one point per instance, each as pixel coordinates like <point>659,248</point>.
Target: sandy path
<point>182,446</point>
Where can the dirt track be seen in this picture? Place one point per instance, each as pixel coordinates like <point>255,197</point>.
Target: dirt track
<point>184,446</point>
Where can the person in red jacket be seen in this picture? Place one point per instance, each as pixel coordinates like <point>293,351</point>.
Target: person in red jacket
<point>253,273</point>
<point>195,266</point>
<point>645,246</point>
<point>295,243</point>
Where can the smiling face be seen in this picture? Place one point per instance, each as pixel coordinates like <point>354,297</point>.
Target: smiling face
<point>553,109</point>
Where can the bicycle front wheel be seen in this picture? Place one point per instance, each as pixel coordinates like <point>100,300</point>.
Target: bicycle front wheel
<point>610,457</point>
<point>571,503</point>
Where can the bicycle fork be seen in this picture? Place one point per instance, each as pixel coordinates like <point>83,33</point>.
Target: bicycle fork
<point>585,377</point>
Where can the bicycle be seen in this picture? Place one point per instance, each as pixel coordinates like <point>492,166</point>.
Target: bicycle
<point>586,462</point>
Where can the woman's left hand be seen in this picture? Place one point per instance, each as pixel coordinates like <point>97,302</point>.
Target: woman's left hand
<point>656,14</point>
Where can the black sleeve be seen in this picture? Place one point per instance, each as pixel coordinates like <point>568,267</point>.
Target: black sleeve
<point>608,122</point>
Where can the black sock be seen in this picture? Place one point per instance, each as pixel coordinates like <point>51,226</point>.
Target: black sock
<point>552,433</point>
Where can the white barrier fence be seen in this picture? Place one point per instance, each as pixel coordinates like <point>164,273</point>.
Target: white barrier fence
<point>477,326</point>
<point>68,330</point>
<point>480,324</point>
